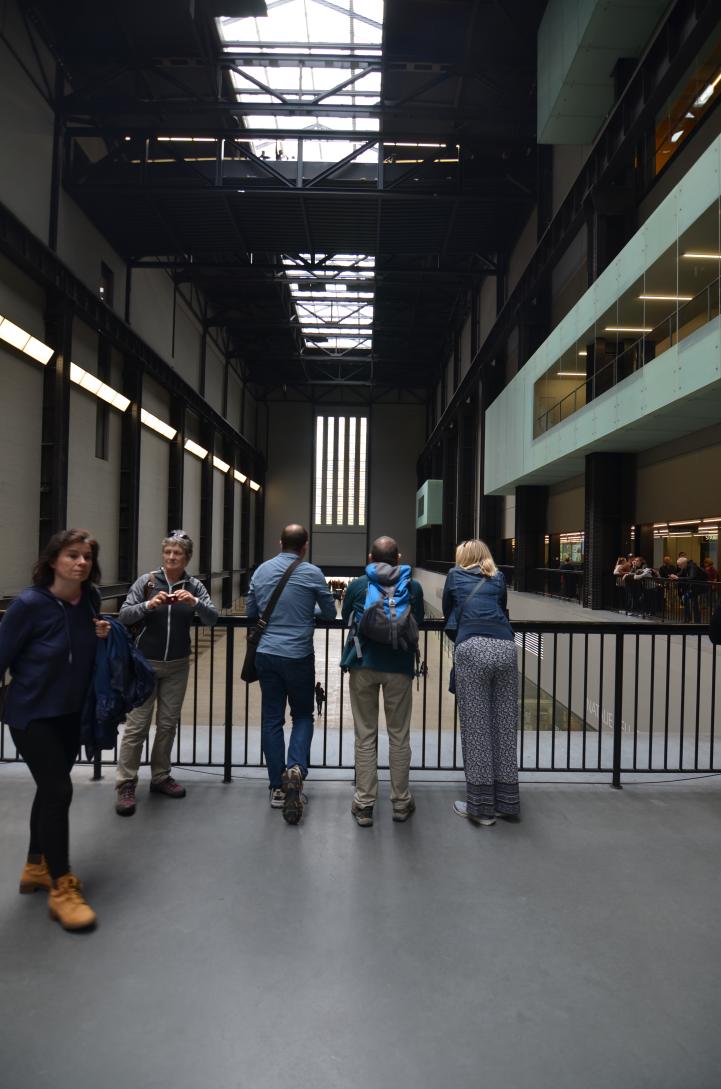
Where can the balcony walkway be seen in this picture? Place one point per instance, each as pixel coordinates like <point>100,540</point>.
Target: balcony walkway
<point>577,950</point>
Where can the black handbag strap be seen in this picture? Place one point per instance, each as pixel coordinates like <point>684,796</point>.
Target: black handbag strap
<point>262,623</point>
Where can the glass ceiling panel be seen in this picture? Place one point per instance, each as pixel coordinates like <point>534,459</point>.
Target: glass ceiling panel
<point>333,312</point>
<point>311,26</point>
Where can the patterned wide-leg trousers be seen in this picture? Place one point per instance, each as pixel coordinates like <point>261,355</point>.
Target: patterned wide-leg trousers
<point>487,695</point>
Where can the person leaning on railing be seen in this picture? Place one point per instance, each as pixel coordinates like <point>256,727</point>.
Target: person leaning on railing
<point>486,684</point>
<point>48,640</point>
<point>689,575</point>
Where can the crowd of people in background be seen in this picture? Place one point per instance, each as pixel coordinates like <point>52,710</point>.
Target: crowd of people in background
<point>648,591</point>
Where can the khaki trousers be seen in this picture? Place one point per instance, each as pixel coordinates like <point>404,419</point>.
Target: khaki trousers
<point>365,686</point>
<point>171,680</point>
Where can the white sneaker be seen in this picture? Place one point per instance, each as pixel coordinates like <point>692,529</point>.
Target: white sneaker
<point>277,797</point>
<point>461,810</point>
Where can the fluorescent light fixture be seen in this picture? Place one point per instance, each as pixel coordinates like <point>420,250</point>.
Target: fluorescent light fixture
<point>666,298</point>
<point>677,136</point>
<point>13,334</point>
<point>712,519</point>
<point>660,525</point>
<point>687,522</point>
<point>220,464</point>
<point>571,374</point>
<point>24,341</point>
<point>155,424</point>
<point>707,92</point>
<point>703,256</point>
<point>98,388</point>
<point>254,486</point>
<point>194,448</point>
<point>583,353</point>
<point>240,477</point>
<point>627,329</point>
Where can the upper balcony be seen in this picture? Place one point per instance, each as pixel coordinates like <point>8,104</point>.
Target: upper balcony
<point>636,362</point>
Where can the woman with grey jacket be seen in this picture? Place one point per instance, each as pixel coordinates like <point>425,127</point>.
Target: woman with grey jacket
<point>162,604</point>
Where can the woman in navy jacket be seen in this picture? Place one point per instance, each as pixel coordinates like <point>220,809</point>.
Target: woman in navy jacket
<point>486,683</point>
<point>47,640</point>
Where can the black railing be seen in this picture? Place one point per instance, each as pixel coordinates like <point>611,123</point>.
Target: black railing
<point>566,583</point>
<point>593,697</point>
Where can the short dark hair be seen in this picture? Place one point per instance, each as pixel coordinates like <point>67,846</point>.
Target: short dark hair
<point>43,572</point>
<point>293,538</point>
<point>385,550</point>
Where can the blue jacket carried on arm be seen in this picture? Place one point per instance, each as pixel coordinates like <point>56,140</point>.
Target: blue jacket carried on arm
<point>122,680</point>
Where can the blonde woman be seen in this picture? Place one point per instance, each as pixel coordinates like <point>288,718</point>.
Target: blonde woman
<point>486,684</point>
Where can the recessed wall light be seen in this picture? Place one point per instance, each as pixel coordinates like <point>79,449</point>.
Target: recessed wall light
<point>240,477</point>
<point>25,342</point>
<point>155,424</point>
<point>220,464</point>
<point>194,448</point>
<point>254,486</point>
<point>92,384</point>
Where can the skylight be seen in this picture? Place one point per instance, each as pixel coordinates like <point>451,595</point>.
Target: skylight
<point>332,301</point>
<point>316,51</point>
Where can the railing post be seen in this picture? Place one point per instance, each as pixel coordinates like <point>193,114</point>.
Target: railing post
<point>97,766</point>
<point>617,712</point>
<point>228,750</point>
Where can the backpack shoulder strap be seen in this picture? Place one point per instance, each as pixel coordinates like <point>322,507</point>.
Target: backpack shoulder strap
<point>279,587</point>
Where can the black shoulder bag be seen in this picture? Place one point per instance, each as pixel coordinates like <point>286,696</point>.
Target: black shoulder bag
<point>255,633</point>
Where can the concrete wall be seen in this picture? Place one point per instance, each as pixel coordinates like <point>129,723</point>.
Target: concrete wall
<point>290,467</point>
<point>396,440</point>
<point>676,480</point>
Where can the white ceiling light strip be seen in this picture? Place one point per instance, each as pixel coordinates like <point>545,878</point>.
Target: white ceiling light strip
<point>156,424</point>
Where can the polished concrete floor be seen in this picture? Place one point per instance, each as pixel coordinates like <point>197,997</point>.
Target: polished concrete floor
<point>577,950</point>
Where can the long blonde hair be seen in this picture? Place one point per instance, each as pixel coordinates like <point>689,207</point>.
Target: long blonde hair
<point>476,553</point>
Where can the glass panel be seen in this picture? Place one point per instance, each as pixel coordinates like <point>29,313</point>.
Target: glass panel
<point>693,98</point>
<point>341,480</point>
<point>351,470</point>
<point>319,470</point>
<point>330,448</point>
<point>362,472</point>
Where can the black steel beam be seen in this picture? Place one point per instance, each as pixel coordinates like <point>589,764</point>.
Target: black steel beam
<point>129,512</point>
<point>55,419</point>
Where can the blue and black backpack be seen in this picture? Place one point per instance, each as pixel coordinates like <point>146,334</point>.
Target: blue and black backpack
<point>386,616</point>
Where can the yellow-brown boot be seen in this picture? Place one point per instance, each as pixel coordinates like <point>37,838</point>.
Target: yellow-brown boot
<point>35,876</point>
<point>67,905</point>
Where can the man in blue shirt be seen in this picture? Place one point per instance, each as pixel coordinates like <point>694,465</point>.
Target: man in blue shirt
<point>286,665</point>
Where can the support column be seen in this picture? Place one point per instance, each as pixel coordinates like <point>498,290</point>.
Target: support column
<point>56,421</point>
<point>610,500</point>
<point>130,473</point>
<point>228,532</point>
<point>466,476</point>
<point>245,537</point>
<point>176,465</point>
<point>531,507</point>
<point>205,548</point>
<point>490,507</point>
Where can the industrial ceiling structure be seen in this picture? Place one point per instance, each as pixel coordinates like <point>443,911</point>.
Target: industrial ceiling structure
<point>334,176</point>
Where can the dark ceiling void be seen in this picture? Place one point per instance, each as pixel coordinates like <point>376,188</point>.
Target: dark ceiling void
<point>160,156</point>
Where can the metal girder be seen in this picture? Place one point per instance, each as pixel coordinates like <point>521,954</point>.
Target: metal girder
<point>142,129</point>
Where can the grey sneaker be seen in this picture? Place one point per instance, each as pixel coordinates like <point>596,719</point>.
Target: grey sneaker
<point>277,798</point>
<point>295,799</point>
<point>461,810</point>
<point>362,814</point>
<point>400,815</point>
<point>125,802</point>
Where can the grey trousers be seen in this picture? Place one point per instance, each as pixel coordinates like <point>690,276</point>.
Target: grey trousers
<point>171,680</point>
<point>365,686</point>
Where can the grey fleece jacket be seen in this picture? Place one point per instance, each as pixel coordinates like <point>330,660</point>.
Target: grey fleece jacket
<point>165,631</point>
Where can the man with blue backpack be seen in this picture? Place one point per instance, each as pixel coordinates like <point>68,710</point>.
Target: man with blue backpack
<point>383,609</point>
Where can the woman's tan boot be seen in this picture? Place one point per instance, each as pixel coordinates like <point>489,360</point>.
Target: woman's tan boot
<point>35,876</point>
<point>67,905</point>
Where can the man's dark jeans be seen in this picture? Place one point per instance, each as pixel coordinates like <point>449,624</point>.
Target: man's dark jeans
<point>281,680</point>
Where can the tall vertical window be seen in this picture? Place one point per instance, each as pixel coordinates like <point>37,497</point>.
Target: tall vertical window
<point>340,487</point>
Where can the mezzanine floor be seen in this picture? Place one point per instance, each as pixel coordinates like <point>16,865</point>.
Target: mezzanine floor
<point>577,950</point>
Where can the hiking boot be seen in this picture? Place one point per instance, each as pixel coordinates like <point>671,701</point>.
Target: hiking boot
<point>277,798</point>
<point>295,799</point>
<point>125,802</point>
<point>362,814</point>
<point>35,875</point>
<point>169,787</point>
<point>461,810</point>
<point>400,815</point>
<point>67,905</point>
